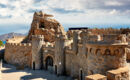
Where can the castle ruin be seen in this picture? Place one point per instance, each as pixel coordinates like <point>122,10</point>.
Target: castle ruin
<point>77,53</point>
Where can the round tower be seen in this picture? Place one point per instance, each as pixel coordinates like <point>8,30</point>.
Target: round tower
<point>37,42</point>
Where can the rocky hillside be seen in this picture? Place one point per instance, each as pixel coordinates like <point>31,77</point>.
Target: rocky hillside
<point>4,37</point>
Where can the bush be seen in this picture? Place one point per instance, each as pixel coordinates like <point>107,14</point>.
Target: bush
<point>1,43</point>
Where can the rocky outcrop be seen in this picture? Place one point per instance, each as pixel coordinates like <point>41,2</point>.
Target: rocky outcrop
<point>42,24</point>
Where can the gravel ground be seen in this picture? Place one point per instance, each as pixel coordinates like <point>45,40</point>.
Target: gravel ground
<point>9,72</point>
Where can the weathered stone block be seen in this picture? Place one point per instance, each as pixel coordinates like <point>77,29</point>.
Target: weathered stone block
<point>118,74</point>
<point>96,77</point>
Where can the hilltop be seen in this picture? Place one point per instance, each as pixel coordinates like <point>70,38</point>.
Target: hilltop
<point>4,37</point>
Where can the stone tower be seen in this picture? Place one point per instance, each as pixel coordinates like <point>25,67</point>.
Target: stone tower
<point>75,42</point>
<point>37,42</point>
<point>59,55</point>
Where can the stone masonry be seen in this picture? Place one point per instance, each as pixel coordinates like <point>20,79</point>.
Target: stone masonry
<point>77,53</point>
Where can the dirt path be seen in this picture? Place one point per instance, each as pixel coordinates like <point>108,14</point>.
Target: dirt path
<point>9,72</point>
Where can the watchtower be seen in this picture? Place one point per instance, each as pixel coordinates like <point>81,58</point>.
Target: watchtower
<point>37,42</point>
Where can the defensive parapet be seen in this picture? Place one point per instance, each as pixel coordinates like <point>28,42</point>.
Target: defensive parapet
<point>106,39</point>
<point>114,38</point>
<point>18,44</point>
<point>48,47</point>
<point>38,37</point>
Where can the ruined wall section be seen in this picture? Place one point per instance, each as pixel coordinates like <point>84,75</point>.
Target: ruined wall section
<point>94,55</point>
<point>102,58</point>
<point>18,54</point>
<point>42,24</point>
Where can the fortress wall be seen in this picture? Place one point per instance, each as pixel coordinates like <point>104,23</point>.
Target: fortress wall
<point>18,54</point>
<point>101,58</point>
<point>75,63</point>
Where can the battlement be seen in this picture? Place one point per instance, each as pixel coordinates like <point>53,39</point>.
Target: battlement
<point>38,36</point>
<point>41,15</point>
<point>107,39</point>
<point>48,47</point>
<point>18,44</point>
<point>101,39</point>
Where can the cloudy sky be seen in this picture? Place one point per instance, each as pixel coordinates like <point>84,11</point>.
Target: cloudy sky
<point>16,15</point>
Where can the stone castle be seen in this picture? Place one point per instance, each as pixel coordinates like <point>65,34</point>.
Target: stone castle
<point>77,53</point>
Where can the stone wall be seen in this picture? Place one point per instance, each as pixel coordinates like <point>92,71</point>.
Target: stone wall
<point>18,54</point>
<point>95,59</point>
<point>101,58</point>
<point>75,63</point>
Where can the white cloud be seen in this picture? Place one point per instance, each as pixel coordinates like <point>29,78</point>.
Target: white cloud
<point>76,11</point>
<point>113,11</point>
<point>113,3</point>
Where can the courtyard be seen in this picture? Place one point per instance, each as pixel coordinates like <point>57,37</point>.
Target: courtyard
<point>9,72</point>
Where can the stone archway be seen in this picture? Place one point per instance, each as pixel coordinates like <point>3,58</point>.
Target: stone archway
<point>49,62</point>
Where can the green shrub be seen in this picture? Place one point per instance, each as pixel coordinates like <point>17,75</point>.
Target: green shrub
<point>1,43</point>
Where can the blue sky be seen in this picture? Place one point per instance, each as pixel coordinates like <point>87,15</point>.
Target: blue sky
<point>16,15</point>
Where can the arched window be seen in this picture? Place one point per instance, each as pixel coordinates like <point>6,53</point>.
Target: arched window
<point>107,52</point>
<point>98,51</point>
<point>90,50</point>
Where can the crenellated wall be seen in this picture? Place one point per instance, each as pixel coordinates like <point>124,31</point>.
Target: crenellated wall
<point>18,54</point>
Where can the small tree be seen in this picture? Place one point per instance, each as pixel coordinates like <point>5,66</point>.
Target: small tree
<point>1,43</point>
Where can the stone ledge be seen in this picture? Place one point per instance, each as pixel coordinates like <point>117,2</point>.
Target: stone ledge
<point>96,77</point>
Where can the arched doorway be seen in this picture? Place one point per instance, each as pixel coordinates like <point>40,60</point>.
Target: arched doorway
<point>33,65</point>
<point>49,63</point>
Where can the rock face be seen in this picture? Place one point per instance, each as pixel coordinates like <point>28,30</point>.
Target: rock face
<point>42,24</point>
